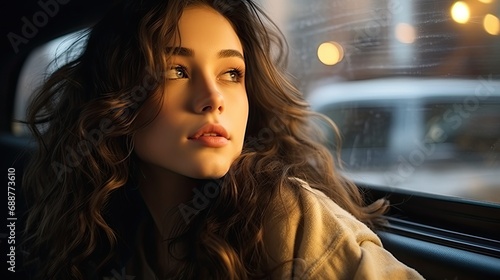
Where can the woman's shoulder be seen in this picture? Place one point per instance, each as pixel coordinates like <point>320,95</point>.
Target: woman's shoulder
<point>298,206</point>
<point>316,238</point>
<point>297,201</point>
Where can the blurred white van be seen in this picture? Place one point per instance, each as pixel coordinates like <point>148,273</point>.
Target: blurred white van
<point>396,129</point>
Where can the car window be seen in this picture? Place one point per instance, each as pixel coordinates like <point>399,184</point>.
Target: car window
<point>362,125</point>
<point>39,64</point>
<point>413,87</point>
<point>473,135</point>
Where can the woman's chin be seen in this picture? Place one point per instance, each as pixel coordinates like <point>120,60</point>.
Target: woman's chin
<point>209,173</point>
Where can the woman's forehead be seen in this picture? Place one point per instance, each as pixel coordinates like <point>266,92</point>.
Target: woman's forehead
<point>201,26</point>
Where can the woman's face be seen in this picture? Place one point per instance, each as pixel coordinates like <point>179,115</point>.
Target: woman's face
<point>200,128</point>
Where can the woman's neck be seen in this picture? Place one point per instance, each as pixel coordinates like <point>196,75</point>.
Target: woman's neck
<point>163,191</point>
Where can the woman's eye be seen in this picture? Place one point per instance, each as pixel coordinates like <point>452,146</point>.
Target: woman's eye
<point>177,72</point>
<point>233,75</point>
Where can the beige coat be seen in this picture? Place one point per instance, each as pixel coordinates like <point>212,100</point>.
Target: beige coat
<point>316,239</point>
<point>326,242</point>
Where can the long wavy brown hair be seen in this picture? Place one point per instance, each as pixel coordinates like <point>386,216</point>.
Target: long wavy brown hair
<point>84,118</point>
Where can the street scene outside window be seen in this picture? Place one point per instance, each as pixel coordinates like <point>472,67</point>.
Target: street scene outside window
<point>413,86</point>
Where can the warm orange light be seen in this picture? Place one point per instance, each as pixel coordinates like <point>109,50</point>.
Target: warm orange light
<point>330,53</point>
<point>405,33</point>
<point>491,24</point>
<point>486,1</point>
<point>460,12</point>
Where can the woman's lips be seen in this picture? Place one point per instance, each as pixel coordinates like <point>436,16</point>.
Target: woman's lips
<point>211,135</point>
<point>211,141</point>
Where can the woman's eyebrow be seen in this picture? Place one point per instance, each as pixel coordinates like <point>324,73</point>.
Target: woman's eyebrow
<point>190,52</point>
<point>230,53</point>
<point>180,51</point>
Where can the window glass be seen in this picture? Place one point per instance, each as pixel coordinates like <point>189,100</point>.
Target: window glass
<point>362,127</point>
<point>414,87</point>
<point>40,63</point>
<point>364,132</point>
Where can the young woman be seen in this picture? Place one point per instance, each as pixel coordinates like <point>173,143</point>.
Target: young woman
<point>175,148</point>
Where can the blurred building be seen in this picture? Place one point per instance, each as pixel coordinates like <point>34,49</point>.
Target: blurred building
<point>375,38</point>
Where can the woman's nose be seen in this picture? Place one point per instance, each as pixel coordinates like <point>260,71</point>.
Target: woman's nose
<point>208,97</point>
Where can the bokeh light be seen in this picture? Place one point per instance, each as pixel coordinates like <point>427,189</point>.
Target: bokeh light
<point>405,33</point>
<point>330,53</point>
<point>460,12</point>
<point>491,24</point>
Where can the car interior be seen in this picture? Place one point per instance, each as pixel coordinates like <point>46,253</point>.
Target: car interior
<point>441,236</point>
